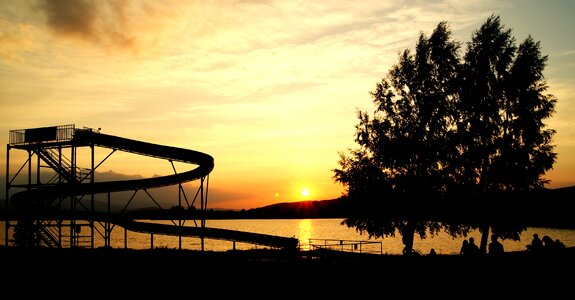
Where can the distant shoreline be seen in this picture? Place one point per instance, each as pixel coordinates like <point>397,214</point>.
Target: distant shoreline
<point>549,208</point>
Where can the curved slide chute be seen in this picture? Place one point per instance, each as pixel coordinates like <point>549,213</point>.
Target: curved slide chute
<point>204,162</point>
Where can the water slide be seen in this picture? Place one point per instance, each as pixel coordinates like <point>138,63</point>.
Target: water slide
<point>204,162</point>
<point>87,137</point>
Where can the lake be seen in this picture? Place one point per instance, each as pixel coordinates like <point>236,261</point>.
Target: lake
<point>310,233</point>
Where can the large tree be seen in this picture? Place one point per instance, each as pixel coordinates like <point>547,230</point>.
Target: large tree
<point>447,126</point>
<point>505,144</point>
<point>404,146</point>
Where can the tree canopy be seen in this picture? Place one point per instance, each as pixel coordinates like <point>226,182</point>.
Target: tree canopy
<point>449,123</point>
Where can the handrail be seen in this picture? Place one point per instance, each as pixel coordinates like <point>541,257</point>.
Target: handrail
<point>345,245</point>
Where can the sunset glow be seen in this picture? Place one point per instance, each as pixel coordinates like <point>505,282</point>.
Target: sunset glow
<point>270,89</point>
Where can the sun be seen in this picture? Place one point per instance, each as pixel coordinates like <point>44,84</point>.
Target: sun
<point>305,192</point>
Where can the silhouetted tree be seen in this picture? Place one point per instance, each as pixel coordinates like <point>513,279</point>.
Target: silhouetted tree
<point>445,126</point>
<point>405,152</point>
<point>504,145</point>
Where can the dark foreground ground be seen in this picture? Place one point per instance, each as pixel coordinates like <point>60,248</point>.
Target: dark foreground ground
<point>280,274</point>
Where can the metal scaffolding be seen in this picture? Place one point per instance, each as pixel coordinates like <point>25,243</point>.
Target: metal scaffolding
<point>50,198</point>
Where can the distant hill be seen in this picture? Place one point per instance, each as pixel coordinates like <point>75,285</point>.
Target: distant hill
<point>547,201</point>
<point>544,208</point>
<point>334,208</point>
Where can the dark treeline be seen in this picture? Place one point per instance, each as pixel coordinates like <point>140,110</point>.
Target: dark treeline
<point>336,208</point>
<point>541,208</point>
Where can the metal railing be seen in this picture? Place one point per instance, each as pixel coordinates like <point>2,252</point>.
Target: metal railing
<point>62,133</point>
<point>47,237</point>
<point>369,247</point>
<point>63,165</point>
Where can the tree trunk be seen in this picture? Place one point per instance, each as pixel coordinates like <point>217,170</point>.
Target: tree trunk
<point>407,238</point>
<point>484,238</point>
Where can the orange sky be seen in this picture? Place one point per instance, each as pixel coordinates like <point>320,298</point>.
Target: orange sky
<point>268,88</point>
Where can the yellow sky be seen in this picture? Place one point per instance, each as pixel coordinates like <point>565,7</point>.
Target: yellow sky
<point>268,88</point>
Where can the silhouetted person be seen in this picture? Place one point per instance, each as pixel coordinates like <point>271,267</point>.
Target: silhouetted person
<point>464,247</point>
<point>471,248</point>
<point>559,245</point>
<point>536,244</point>
<point>432,252</point>
<point>548,244</point>
<point>495,247</point>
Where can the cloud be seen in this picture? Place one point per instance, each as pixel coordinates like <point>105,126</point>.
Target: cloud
<point>71,17</point>
<point>124,25</point>
<point>15,39</point>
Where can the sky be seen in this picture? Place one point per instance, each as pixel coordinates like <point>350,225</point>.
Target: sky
<point>270,89</point>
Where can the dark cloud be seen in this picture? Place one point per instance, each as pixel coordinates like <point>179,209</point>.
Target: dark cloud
<point>126,25</point>
<point>71,17</point>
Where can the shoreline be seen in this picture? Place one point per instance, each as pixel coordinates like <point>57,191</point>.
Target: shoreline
<point>242,271</point>
<point>13,254</point>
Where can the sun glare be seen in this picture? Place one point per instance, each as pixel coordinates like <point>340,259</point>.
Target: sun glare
<point>305,192</point>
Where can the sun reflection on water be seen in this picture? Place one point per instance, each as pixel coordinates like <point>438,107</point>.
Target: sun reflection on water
<point>305,231</point>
